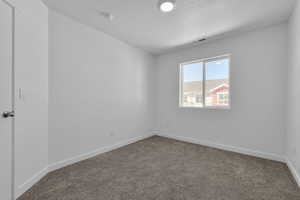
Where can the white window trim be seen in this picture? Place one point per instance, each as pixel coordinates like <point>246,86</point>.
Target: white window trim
<point>205,60</point>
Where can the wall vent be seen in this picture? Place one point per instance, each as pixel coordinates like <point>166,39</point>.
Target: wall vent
<point>201,40</point>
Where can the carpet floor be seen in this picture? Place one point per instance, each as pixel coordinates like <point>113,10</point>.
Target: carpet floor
<point>163,169</point>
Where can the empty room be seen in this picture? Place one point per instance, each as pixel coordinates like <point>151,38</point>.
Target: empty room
<point>149,100</point>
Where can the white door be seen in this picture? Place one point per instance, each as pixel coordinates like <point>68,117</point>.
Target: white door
<point>6,99</point>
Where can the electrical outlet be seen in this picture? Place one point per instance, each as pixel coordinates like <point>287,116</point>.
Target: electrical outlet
<point>294,150</point>
<point>111,133</point>
<point>154,131</point>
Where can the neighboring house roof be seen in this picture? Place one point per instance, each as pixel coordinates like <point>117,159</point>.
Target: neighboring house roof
<point>195,86</point>
<point>224,85</point>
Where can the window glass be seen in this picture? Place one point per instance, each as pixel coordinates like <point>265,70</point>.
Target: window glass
<point>217,83</point>
<point>192,80</point>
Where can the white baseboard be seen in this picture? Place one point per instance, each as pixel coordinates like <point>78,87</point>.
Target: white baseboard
<point>293,171</point>
<point>30,182</point>
<point>33,180</point>
<point>85,156</point>
<point>241,150</point>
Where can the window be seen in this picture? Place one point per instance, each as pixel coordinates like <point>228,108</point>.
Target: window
<point>205,83</point>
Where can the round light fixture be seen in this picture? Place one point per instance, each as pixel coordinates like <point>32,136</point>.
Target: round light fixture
<point>166,5</point>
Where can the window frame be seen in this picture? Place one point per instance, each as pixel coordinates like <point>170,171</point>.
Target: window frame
<point>204,61</point>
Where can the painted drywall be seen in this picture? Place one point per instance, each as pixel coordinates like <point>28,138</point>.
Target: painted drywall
<point>31,79</point>
<point>293,96</point>
<point>100,92</point>
<point>255,122</point>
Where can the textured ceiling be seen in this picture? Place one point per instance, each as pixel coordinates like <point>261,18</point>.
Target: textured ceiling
<point>141,24</point>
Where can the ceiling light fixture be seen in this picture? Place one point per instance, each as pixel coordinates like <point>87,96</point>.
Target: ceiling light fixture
<point>166,5</point>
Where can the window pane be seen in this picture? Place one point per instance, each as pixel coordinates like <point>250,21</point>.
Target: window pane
<point>217,83</point>
<point>191,85</point>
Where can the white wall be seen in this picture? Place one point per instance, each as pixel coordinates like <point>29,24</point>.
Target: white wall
<point>98,85</point>
<point>255,123</point>
<point>293,97</point>
<point>31,75</point>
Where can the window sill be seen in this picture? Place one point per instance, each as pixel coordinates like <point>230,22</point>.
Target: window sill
<point>206,108</point>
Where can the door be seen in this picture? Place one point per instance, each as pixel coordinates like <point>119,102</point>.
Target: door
<point>6,100</point>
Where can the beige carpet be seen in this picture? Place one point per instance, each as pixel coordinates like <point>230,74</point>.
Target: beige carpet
<point>163,169</point>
